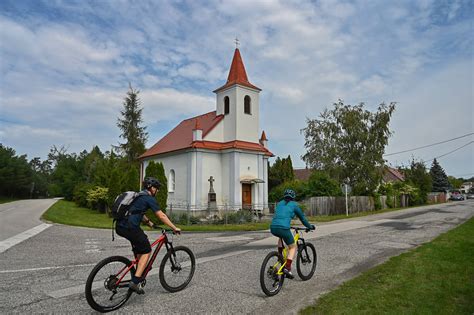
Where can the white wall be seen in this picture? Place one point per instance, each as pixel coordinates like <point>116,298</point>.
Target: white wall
<point>179,163</point>
<point>216,134</point>
<point>247,128</point>
<point>211,166</point>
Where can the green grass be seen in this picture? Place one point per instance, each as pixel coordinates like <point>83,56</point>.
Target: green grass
<point>67,212</point>
<point>6,199</point>
<point>435,278</point>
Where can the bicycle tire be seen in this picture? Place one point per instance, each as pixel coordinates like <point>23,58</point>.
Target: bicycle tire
<point>182,264</point>
<point>270,266</point>
<point>96,284</point>
<point>306,261</point>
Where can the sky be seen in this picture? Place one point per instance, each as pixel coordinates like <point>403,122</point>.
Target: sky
<point>66,67</point>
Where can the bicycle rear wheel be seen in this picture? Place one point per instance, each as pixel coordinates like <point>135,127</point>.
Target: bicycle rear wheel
<point>105,291</point>
<point>306,261</point>
<point>177,269</point>
<point>270,281</point>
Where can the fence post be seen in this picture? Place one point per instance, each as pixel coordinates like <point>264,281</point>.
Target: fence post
<point>188,210</point>
<point>225,214</point>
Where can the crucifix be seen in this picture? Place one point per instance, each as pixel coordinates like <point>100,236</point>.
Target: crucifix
<point>211,180</point>
<point>237,43</point>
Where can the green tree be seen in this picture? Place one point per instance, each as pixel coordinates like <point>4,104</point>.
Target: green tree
<point>280,172</point>
<point>133,133</point>
<point>349,142</point>
<point>157,171</point>
<point>454,182</point>
<point>439,178</point>
<point>418,177</point>
<point>320,184</point>
<point>16,175</point>
<point>41,177</point>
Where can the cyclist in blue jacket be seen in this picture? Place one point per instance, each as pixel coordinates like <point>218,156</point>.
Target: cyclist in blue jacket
<point>285,211</point>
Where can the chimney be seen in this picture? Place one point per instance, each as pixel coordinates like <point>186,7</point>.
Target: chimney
<point>197,131</point>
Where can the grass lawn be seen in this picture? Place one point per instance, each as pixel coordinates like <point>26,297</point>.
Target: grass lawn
<point>67,212</point>
<point>435,278</point>
<point>6,199</point>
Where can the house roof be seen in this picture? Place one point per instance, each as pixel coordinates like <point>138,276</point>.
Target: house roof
<point>181,137</point>
<point>302,174</point>
<point>237,74</point>
<point>392,175</point>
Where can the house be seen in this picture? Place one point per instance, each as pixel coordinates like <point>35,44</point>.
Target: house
<point>302,174</point>
<point>465,187</point>
<point>218,159</point>
<point>392,175</point>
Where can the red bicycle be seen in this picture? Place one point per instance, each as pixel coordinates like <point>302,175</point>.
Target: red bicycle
<point>107,287</point>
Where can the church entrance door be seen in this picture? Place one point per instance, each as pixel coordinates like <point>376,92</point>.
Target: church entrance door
<point>247,196</point>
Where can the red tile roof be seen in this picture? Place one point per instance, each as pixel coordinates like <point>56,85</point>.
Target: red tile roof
<point>302,174</point>
<point>237,74</point>
<point>392,174</point>
<point>263,137</point>
<point>181,137</point>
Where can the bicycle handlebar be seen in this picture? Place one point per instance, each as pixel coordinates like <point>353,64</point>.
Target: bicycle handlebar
<point>299,228</point>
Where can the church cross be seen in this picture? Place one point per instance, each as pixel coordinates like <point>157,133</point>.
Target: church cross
<point>237,43</point>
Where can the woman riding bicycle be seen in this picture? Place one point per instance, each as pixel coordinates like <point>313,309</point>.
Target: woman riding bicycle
<point>129,227</point>
<point>285,211</point>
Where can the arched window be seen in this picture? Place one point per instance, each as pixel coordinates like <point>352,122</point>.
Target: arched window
<point>247,105</point>
<point>226,105</point>
<point>171,181</point>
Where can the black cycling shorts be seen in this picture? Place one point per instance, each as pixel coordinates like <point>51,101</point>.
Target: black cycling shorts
<point>136,236</point>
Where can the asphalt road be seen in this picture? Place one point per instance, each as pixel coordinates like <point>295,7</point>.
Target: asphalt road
<point>46,273</point>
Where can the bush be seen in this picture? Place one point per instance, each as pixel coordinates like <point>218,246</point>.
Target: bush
<point>320,184</point>
<point>300,187</point>
<point>80,194</point>
<point>97,198</point>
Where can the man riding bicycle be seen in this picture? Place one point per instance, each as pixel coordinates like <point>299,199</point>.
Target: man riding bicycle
<point>285,211</point>
<point>129,227</point>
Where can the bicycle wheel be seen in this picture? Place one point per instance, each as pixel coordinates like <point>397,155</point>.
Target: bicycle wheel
<point>104,292</point>
<point>177,269</point>
<point>270,281</point>
<point>306,261</point>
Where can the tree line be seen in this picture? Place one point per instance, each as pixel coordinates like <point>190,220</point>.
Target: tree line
<point>90,178</point>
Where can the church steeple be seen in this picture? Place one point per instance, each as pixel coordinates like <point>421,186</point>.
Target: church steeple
<point>237,74</point>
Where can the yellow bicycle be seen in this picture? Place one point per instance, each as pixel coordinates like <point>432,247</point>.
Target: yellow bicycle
<point>271,272</point>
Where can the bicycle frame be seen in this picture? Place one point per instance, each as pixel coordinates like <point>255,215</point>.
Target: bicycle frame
<point>299,242</point>
<point>158,243</point>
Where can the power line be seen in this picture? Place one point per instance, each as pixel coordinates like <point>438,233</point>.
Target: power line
<point>430,145</point>
<point>450,151</point>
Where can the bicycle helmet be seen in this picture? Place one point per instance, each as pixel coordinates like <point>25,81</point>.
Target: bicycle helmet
<point>289,194</point>
<point>151,182</point>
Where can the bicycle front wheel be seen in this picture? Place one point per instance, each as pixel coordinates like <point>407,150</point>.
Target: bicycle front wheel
<point>177,269</point>
<point>107,284</point>
<point>270,281</point>
<point>306,261</point>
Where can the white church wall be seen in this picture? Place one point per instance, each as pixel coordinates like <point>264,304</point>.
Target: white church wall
<point>229,121</point>
<point>216,134</point>
<point>179,164</point>
<point>211,166</point>
<point>247,128</point>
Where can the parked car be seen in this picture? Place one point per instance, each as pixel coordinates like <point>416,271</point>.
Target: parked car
<point>470,195</point>
<point>456,196</point>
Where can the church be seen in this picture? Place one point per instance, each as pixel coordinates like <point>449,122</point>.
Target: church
<point>219,159</point>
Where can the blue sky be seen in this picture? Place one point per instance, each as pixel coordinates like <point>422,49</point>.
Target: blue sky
<point>66,65</point>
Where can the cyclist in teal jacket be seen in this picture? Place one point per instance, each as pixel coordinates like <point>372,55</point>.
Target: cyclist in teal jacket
<point>285,211</point>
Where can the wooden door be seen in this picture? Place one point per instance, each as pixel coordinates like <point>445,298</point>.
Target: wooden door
<point>247,196</point>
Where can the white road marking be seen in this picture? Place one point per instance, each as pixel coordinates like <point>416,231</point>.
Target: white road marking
<point>14,240</point>
<point>45,268</point>
<point>96,284</point>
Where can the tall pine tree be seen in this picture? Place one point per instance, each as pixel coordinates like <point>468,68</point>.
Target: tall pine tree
<point>133,133</point>
<point>439,177</point>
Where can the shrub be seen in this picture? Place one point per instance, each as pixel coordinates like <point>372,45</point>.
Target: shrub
<point>97,198</point>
